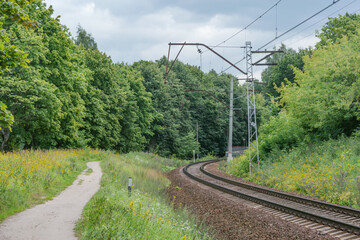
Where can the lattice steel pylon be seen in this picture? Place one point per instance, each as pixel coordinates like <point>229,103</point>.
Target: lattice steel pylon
<point>252,125</point>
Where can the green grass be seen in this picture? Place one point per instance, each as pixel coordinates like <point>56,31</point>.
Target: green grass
<point>328,170</point>
<point>145,214</point>
<point>88,171</point>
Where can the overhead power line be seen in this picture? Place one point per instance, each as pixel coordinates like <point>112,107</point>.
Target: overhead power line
<point>286,32</point>
<point>325,18</point>
<point>247,26</point>
<point>334,2</point>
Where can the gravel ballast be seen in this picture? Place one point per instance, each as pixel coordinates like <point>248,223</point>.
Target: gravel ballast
<point>231,219</point>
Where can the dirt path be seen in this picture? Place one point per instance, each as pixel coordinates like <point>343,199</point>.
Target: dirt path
<point>55,219</point>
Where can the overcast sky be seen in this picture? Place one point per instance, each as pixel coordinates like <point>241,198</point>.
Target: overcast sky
<point>130,31</point>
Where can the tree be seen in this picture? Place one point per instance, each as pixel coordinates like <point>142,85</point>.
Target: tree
<point>323,102</point>
<point>64,68</point>
<point>274,76</point>
<point>6,122</point>
<point>29,96</point>
<point>325,95</point>
<point>6,118</point>
<point>45,97</point>
<point>336,28</point>
<point>11,55</point>
<point>187,144</point>
<point>85,39</point>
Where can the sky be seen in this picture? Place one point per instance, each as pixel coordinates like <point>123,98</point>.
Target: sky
<point>130,31</point>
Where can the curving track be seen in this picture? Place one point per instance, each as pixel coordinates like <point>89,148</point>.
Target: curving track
<point>346,220</point>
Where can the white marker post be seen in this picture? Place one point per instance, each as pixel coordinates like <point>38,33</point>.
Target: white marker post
<point>130,186</point>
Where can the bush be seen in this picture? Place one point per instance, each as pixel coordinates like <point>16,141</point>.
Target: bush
<point>282,132</point>
<point>239,166</point>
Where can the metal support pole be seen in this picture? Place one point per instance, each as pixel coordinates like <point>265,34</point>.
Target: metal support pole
<point>252,125</point>
<point>229,157</point>
<point>197,137</point>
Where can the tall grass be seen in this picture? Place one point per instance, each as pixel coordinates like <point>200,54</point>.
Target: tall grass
<point>30,177</point>
<point>328,170</point>
<point>145,214</point>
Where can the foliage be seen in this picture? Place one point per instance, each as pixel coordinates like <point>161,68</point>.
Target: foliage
<point>281,132</point>
<point>44,97</point>
<point>316,105</point>
<point>68,96</point>
<point>145,214</point>
<point>14,9</point>
<point>187,145</point>
<point>31,177</point>
<point>336,28</point>
<point>6,118</point>
<point>239,166</point>
<point>283,72</point>
<point>325,96</point>
<point>10,55</point>
<point>6,123</point>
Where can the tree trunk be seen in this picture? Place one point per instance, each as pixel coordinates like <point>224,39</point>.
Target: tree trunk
<point>5,132</point>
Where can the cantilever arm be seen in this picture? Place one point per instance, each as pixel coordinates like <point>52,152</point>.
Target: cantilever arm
<point>209,48</point>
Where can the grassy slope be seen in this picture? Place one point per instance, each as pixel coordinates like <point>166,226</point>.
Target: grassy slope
<point>145,214</point>
<point>328,170</point>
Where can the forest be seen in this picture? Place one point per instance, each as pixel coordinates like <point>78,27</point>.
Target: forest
<point>60,91</point>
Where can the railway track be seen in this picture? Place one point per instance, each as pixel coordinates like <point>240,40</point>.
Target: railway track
<point>339,221</point>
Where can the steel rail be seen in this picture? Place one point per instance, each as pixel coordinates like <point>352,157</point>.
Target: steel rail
<point>307,215</point>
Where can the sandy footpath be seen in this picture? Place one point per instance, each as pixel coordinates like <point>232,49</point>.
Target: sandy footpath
<point>55,219</point>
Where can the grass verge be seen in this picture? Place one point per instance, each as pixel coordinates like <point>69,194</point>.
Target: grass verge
<point>145,214</point>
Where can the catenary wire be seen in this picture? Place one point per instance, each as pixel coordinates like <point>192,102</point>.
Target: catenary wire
<point>334,2</point>
<point>289,30</point>
<point>247,26</point>
<point>317,23</point>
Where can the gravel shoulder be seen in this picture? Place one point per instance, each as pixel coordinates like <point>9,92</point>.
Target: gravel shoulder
<point>54,219</point>
<point>229,218</point>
